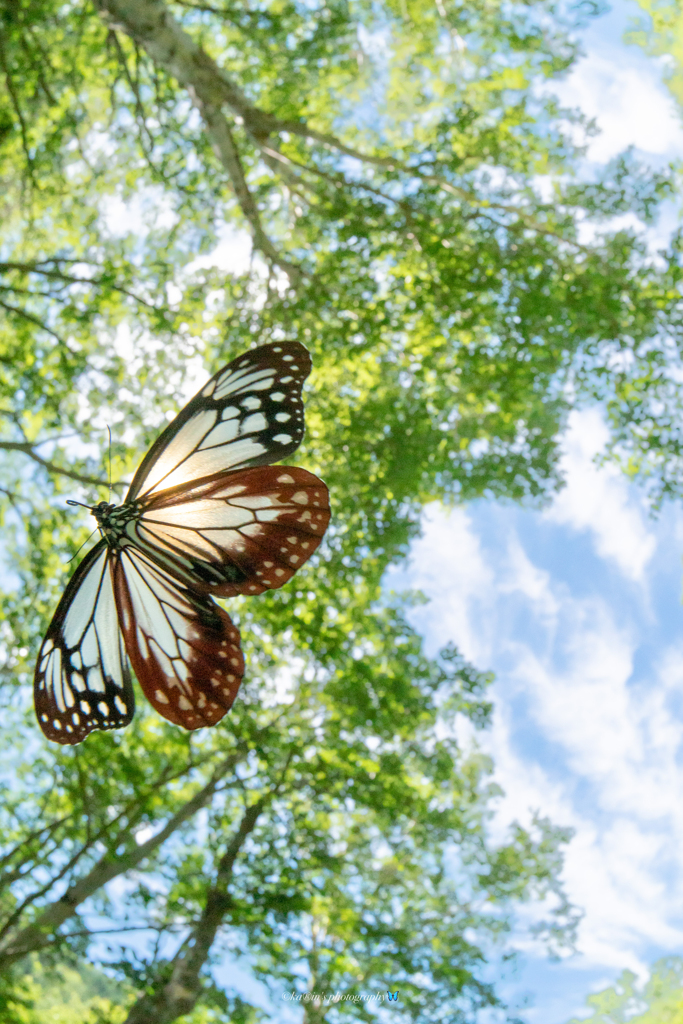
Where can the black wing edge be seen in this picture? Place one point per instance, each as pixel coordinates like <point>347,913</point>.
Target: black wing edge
<point>260,354</point>
<point>45,704</point>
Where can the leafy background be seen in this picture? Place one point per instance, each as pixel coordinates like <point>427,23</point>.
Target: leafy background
<point>460,296</point>
<point>577,610</point>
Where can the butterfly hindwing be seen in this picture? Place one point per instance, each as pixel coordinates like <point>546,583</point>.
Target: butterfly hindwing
<point>249,414</point>
<point>83,679</point>
<point>206,514</point>
<point>183,647</point>
<point>241,533</point>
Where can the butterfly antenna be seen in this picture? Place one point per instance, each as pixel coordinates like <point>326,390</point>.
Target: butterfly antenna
<point>70,501</point>
<point>86,539</point>
<point>109,432</point>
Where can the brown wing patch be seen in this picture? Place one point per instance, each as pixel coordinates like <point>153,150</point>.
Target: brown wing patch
<point>185,649</point>
<point>237,533</point>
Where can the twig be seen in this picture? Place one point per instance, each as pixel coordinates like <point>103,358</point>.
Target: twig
<point>51,467</point>
<point>220,134</point>
<point>18,111</point>
<point>37,268</point>
<point>36,935</point>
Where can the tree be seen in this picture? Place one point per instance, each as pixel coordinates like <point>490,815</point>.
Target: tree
<point>658,1001</point>
<point>411,203</point>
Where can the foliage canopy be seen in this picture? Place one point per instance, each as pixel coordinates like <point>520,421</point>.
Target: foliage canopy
<point>658,1001</point>
<point>394,185</point>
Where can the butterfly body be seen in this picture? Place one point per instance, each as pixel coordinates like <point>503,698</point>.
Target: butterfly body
<point>112,520</point>
<point>206,515</point>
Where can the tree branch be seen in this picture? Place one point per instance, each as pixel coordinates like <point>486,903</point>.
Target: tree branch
<point>180,994</point>
<point>224,146</point>
<point>18,111</point>
<point>152,26</point>
<point>32,319</point>
<point>28,449</point>
<point>38,268</point>
<point>132,812</point>
<point>39,934</point>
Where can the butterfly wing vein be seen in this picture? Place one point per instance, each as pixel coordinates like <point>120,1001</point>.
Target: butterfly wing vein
<point>212,517</point>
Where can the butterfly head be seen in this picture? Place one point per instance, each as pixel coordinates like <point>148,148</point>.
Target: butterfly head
<point>111,519</point>
<point>101,511</point>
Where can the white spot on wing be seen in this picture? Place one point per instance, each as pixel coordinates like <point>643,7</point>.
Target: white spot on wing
<point>267,515</point>
<point>254,424</point>
<point>223,433</point>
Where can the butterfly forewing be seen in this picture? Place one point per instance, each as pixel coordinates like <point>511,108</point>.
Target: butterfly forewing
<point>249,414</point>
<point>83,679</point>
<point>183,647</point>
<point>241,533</point>
<point>206,514</point>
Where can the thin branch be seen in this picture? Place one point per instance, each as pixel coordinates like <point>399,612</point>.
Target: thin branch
<point>32,319</point>
<point>8,857</point>
<point>87,932</point>
<point>51,467</point>
<point>391,164</point>
<point>36,268</point>
<point>224,146</point>
<point>139,107</point>
<point>38,67</point>
<point>37,935</point>
<point>12,496</point>
<point>18,111</point>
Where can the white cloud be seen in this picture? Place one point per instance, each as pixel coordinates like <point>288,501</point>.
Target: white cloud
<point>232,254</point>
<point>450,569</point>
<point>628,102</point>
<point>577,733</point>
<point>598,500</point>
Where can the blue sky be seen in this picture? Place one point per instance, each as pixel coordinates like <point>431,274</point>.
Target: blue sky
<point>577,609</point>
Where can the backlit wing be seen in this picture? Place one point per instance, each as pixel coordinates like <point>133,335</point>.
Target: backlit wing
<point>82,679</point>
<point>183,647</point>
<point>249,414</point>
<point>241,533</point>
<point>207,513</point>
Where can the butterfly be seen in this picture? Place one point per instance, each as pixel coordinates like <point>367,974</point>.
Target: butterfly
<point>206,514</point>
